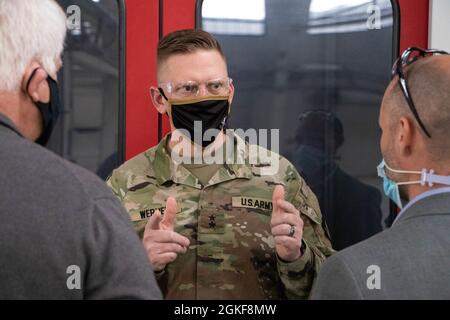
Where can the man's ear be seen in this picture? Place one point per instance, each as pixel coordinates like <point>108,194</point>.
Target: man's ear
<point>406,135</point>
<point>160,103</point>
<point>34,84</point>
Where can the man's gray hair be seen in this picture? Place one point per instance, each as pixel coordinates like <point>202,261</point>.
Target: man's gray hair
<point>29,30</point>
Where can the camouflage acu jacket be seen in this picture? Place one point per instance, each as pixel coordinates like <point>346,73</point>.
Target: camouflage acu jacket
<point>232,253</point>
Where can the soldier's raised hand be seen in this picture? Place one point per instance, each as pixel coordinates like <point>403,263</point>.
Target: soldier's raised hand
<point>160,241</point>
<point>287,227</point>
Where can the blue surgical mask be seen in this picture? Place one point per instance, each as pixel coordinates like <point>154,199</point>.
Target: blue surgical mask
<point>391,188</point>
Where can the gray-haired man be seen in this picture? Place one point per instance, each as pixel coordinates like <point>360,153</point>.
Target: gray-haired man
<point>63,235</point>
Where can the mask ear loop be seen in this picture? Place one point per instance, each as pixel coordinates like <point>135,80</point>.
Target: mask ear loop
<point>161,91</point>
<point>424,179</point>
<point>430,178</point>
<point>405,172</point>
<point>402,171</point>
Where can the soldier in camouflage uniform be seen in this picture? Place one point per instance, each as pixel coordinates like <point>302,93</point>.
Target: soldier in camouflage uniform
<point>239,234</point>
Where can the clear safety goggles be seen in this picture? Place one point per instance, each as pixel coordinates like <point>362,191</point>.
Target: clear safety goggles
<point>191,89</point>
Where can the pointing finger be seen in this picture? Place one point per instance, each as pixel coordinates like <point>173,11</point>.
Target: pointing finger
<point>153,222</point>
<point>168,221</point>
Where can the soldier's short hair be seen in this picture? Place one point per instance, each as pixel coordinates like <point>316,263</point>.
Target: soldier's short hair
<point>186,41</point>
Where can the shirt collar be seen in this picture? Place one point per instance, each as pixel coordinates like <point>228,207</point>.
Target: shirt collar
<point>420,197</point>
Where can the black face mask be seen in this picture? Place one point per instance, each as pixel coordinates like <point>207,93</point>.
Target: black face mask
<point>49,110</point>
<point>212,112</point>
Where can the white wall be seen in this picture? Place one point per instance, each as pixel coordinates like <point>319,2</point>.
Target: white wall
<point>439,25</point>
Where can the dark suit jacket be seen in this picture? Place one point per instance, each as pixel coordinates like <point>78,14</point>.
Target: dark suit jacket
<point>412,257</point>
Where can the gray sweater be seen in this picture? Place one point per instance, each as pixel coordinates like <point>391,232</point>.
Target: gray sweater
<point>63,235</point>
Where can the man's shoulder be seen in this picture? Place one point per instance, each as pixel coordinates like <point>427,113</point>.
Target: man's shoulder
<point>382,250</point>
<point>345,274</point>
<point>74,179</point>
<point>37,166</point>
<point>270,163</point>
<point>369,248</point>
<point>141,164</point>
<point>390,262</point>
<point>394,244</point>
